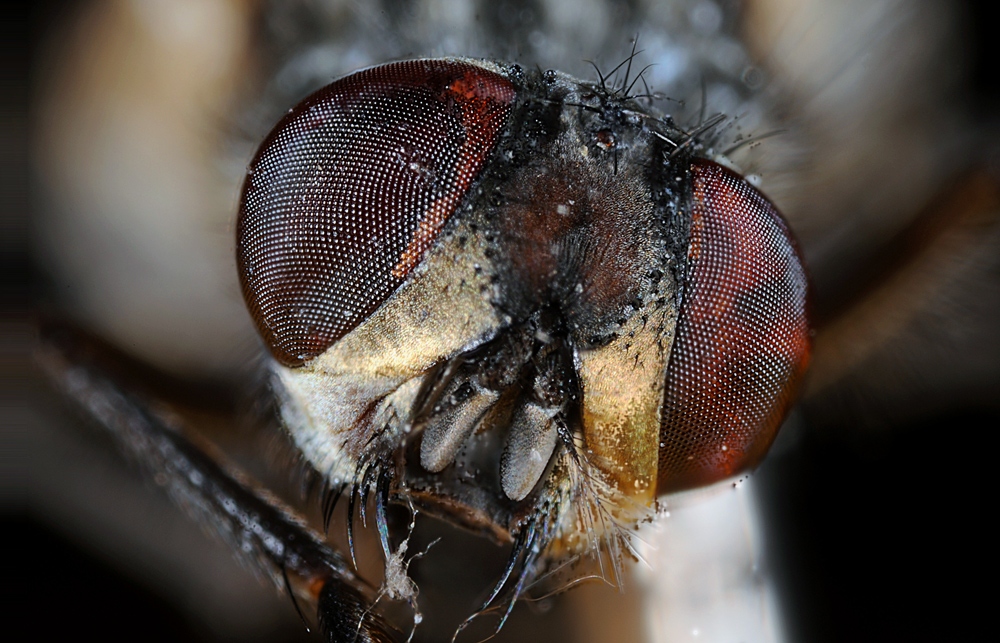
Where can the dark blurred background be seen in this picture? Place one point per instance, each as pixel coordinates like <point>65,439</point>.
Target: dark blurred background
<point>876,497</point>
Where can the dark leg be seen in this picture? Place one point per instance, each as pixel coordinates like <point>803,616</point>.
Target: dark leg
<point>265,535</point>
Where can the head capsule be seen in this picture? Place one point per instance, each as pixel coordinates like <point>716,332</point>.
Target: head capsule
<point>504,296</point>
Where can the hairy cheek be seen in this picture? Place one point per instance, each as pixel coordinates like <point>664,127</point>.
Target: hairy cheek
<point>742,342</point>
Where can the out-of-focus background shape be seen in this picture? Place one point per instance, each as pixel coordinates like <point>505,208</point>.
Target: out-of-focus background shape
<point>879,138</point>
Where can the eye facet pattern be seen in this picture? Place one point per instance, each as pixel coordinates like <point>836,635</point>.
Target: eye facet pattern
<point>352,187</point>
<point>742,340</point>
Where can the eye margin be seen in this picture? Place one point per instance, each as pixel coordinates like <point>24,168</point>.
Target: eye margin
<point>292,296</point>
<point>743,339</point>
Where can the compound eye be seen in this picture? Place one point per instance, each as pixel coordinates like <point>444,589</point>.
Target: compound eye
<point>351,189</point>
<point>742,340</point>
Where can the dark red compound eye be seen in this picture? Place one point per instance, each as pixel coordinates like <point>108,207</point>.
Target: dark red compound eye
<point>352,187</point>
<point>742,340</point>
